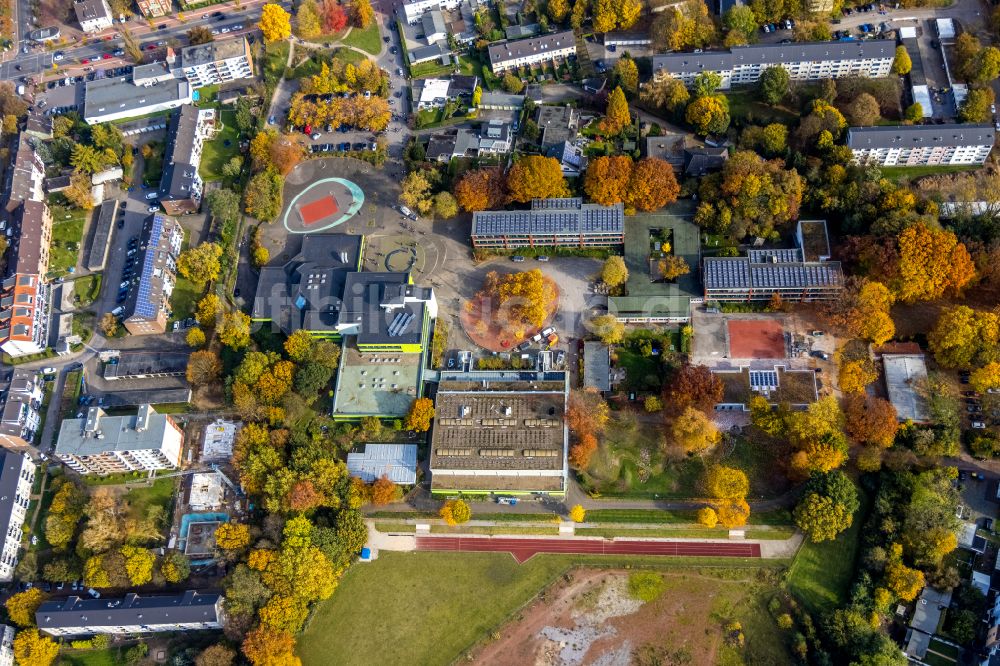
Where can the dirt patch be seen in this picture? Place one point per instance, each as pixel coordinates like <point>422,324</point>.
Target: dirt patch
<point>590,618</point>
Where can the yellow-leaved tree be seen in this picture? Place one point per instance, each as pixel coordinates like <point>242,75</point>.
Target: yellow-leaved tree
<point>275,23</point>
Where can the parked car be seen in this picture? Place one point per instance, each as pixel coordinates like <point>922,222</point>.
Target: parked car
<point>153,195</point>
<point>542,257</point>
<point>152,209</point>
<point>517,259</point>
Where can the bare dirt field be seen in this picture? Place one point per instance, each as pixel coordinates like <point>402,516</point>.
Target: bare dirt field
<point>589,617</point>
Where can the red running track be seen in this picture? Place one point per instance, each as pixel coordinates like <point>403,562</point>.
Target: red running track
<point>524,549</point>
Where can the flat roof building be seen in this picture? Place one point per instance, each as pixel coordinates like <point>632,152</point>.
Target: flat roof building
<point>780,385</point>
<point>920,145</point>
<point>397,462</point>
<point>17,474</point>
<point>217,62</point>
<point>786,272</point>
<point>550,223</point>
<point>131,614</point>
<point>101,235</point>
<point>120,97</point>
<point>26,179</point>
<point>558,124</point>
<point>6,645</point>
<point>101,444</point>
<point>512,54</point>
<point>148,304</point>
<point>905,375</point>
<point>804,61</point>
<point>500,432</point>
<point>220,436</point>
<point>596,365</point>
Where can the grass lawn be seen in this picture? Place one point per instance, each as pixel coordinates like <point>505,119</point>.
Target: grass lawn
<point>109,657</point>
<point>458,598</point>
<point>743,103</point>
<point>184,298</point>
<point>86,289</point>
<point>908,173</point>
<point>466,66</point>
<point>821,572</point>
<point>935,659</point>
<point>368,40</point>
<point>152,169</point>
<point>140,498</point>
<point>67,236</point>
<point>275,58</point>
<point>216,153</point>
<point>642,373</point>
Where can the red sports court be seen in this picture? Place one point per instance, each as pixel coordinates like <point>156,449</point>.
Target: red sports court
<point>756,338</point>
<point>525,549</point>
<point>318,209</point>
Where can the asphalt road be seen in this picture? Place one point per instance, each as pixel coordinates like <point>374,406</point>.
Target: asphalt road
<point>93,47</point>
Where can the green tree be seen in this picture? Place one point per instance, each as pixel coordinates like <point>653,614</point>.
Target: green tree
<point>741,20</point>
<point>200,264</point>
<point>307,20</point>
<point>175,567</point>
<point>608,329</point>
<point>235,330</point>
<point>705,84</point>
<point>200,35</point>
<point>708,115</point>
<point>773,84</point>
<point>914,112</point>
<point>262,196</point>
<point>614,273</point>
<point>617,115</point>
<point>901,64</point>
<point>827,507</point>
<point>976,107</point>
<point>512,83</point>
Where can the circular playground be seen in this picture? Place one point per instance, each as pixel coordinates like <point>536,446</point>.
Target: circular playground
<point>323,205</point>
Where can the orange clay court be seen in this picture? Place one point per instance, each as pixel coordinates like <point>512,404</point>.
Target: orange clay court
<point>321,208</point>
<point>756,338</point>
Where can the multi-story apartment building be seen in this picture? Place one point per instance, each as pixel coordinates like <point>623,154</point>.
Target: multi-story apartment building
<point>154,8</point>
<point>180,185</point>
<point>148,305</point>
<point>25,180</point>
<point>918,145</point>
<point>550,223</point>
<point>20,405</point>
<point>807,61</point>
<point>510,55</point>
<point>24,294</point>
<point>17,474</point>
<point>411,12</point>
<point>131,614</point>
<point>93,15</point>
<point>217,62</point>
<point>101,444</point>
<point>136,94</point>
<point>7,645</point>
<point>802,273</point>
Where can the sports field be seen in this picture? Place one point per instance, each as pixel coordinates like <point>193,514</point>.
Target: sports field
<point>756,338</point>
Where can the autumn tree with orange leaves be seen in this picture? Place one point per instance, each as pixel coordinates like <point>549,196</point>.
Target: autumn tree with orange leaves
<point>586,416</point>
<point>481,189</point>
<point>267,647</point>
<point>648,184</point>
<point>536,177</point>
<point>693,386</point>
<point>383,491</point>
<point>870,420</point>
<point>932,264</point>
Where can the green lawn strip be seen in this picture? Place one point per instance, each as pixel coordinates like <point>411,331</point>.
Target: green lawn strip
<point>935,659</point>
<point>682,533</point>
<point>821,572</point>
<point>498,529</point>
<point>67,236</point>
<point>459,598</point>
<point>391,526</point>
<point>275,58</point>
<point>108,657</point>
<point>216,153</point>
<point>907,173</point>
<point>113,479</point>
<point>943,648</point>
<point>152,166</point>
<point>367,40</point>
<point>43,511</point>
<point>184,298</point>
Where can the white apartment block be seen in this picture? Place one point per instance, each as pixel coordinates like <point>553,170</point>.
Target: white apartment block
<point>20,415</point>
<point>133,614</point>
<point>217,62</point>
<point>920,145</point>
<point>101,444</point>
<point>413,11</point>
<point>7,646</point>
<point>513,54</point>
<point>93,15</point>
<point>16,477</point>
<point>807,61</point>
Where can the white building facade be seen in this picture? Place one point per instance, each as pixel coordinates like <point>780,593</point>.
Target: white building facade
<point>808,61</point>
<point>16,478</point>
<point>920,145</point>
<point>513,54</point>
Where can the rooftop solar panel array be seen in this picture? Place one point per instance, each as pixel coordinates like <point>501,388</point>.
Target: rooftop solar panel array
<point>781,255</point>
<point>763,379</point>
<point>588,218</point>
<point>741,273</point>
<point>144,305</point>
